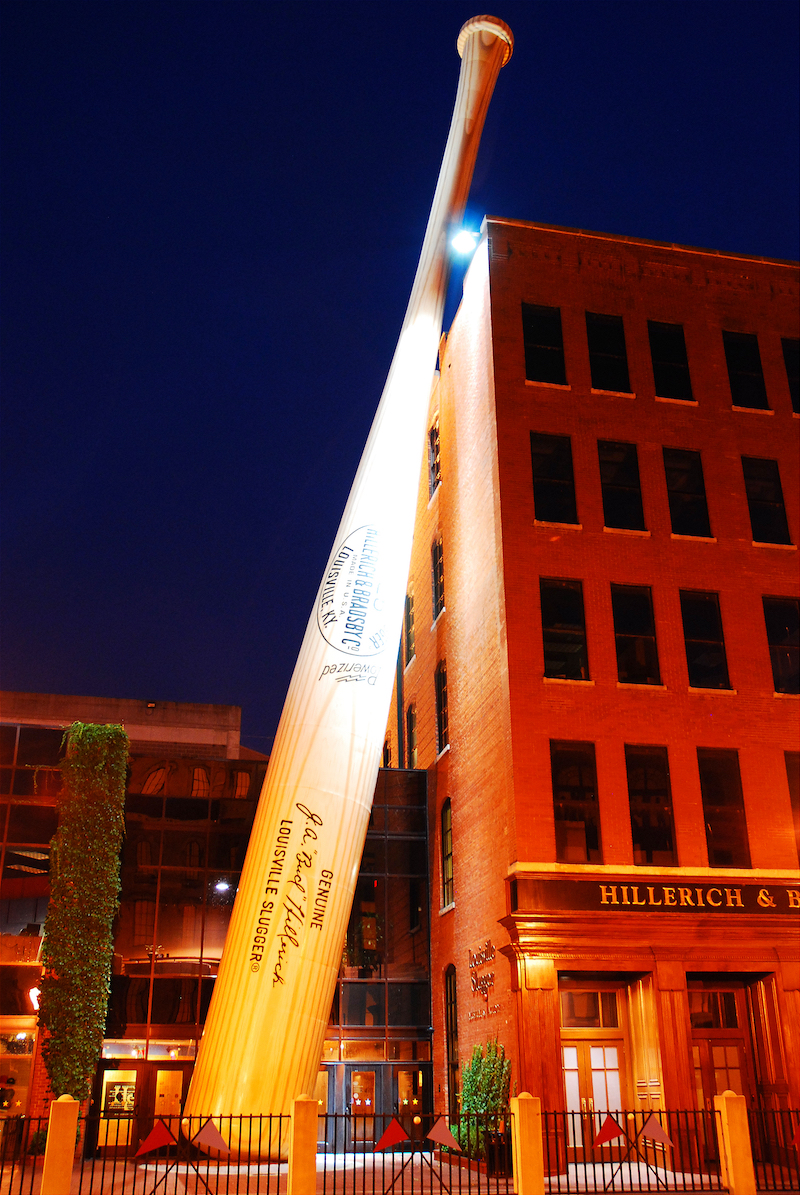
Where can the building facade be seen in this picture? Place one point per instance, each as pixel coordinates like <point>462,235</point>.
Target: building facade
<point>192,790</point>
<point>600,672</point>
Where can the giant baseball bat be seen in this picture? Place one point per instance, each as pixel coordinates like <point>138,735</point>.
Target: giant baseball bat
<point>263,1035</point>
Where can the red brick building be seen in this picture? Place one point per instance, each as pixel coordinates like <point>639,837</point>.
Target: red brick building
<point>600,672</point>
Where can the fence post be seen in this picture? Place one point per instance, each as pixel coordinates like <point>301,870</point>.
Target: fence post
<point>59,1150</point>
<point>526,1130</point>
<point>736,1154</point>
<point>303,1147</point>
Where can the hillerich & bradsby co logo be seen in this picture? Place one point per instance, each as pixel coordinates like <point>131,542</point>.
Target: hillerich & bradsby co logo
<point>350,611</point>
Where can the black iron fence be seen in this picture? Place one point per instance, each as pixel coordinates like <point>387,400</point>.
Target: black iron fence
<point>406,1155</point>
<point>234,1155</point>
<point>775,1138</point>
<point>640,1151</point>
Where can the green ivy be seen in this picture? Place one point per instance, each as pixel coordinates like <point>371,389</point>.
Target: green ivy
<point>84,897</point>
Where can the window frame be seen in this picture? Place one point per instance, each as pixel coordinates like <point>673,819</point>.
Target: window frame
<point>434,459</point>
<point>437,577</point>
<point>536,349</point>
<point>603,362</point>
<point>446,829</point>
<point>593,854</point>
<point>627,640</point>
<point>635,756</point>
<point>554,634</point>
<point>745,377</point>
<point>681,497</point>
<point>728,814</point>
<point>440,688</point>
<point>409,630</point>
<point>786,650</point>
<point>761,509</point>
<point>411,735</point>
<point>548,490</point>
<point>625,494</point>
<point>712,599</point>
<point>663,365</point>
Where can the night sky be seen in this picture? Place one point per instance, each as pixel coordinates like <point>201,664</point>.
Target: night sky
<point>212,212</point>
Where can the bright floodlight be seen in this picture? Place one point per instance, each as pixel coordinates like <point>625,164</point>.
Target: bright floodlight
<point>464,241</point>
<point>222,886</point>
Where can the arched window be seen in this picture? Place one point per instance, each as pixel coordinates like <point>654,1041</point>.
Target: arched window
<point>451,1039</point>
<point>448,892</point>
<point>200,783</point>
<point>241,785</point>
<point>154,782</point>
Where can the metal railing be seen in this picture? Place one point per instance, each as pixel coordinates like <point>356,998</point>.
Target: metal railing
<point>775,1140</point>
<point>368,1155</point>
<point>107,1162</point>
<point>640,1151</point>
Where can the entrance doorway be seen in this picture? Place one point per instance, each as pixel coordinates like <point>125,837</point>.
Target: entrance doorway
<point>720,1055</point>
<point>130,1095</point>
<point>594,1082</point>
<point>362,1089</point>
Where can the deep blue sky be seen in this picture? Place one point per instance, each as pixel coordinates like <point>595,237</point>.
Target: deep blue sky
<point>212,211</point>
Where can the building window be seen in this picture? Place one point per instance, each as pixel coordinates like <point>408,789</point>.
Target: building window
<point>792,759</point>
<point>200,784</point>
<point>705,645</point>
<point>386,761</point>
<point>544,344</point>
<point>154,782</point>
<point>553,480</point>
<point>437,577</point>
<point>670,365</point>
<point>434,461</point>
<point>744,370</point>
<point>144,921</point>
<point>782,616</point>
<point>411,736</point>
<point>762,483</point>
<point>723,808</point>
<point>448,892</point>
<point>635,633</point>
<point>650,799</point>
<point>440,681</point>
<point>191,853</point>
<point>686,491</point>
<point>409,640</point>
<point>575,805</point>
<point>791,355</point>
<point>622,492</point>
<point>608,358</point>
<point>241,785</point>
<point>451,1040</point>
<point>563,629</point>
<point>144,857</point>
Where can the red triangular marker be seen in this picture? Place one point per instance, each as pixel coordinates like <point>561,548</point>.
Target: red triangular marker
<point>795,1141</point>
<point>653,1130</point>
<point>610,1129</point>
<point>159,1135</point>
<point>393,1135</point>
<point>441,1134</point>
<point>210,1136</point>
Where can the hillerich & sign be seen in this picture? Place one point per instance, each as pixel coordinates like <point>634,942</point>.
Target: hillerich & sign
<point>654,896</point>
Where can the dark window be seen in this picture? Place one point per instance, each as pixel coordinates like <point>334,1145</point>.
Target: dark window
<point>792,759</point>
<point>544,344</point>
<point>589,1010</point>
<point>686,491</point>
<point>451,1040</point>
<point>723,808</point>
<point>765,500</point>
<point>39,746</point>
<point>744,370</point>
<point>635,633</point>
<point>650,798</point>
<point>387,754</point>
<point>440,681</point>
<point>705,646</point>
<point>622,493</point>
<point>563,629</point>
<point>447,855</point>
<point>782,616</point>
<point>792,363</point>
<point>408,628</point>
<point>670,366</point>
<point>411,736</point>
<point>575,805</point>
<point>434,460</point>
<point>416,896</point>
<point>437,577</point>
<point>553,481</point>
<point>607,356</point>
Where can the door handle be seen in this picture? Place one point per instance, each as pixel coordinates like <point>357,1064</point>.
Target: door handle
<point>583,1103</point>
<point>591,1104</point>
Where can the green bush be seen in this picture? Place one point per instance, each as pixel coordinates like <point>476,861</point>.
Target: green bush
<point>84,897</point>
<point>485,1086</point>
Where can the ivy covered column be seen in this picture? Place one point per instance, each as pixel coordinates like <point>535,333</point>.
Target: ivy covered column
<point>84,897</point>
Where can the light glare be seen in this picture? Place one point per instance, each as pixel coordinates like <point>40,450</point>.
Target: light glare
<point>464,241</point>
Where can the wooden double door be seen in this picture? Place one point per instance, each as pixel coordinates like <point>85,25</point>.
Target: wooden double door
<point>594,1085</point>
